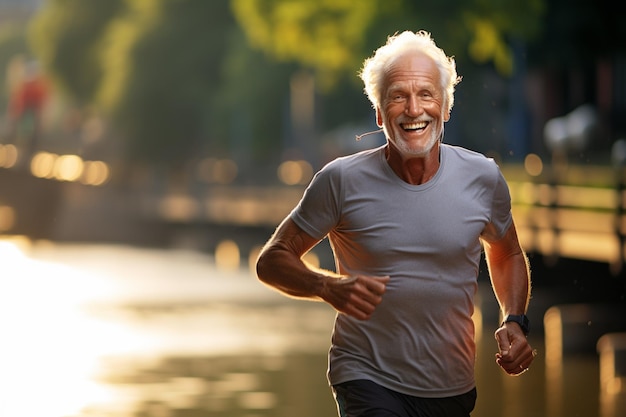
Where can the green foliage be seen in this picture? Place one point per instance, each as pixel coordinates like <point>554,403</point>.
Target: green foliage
<point>249,106</point>
<point>323,35</point>
<point>493,21</point>
<point>333,36</point>
<point>66,36</point>
<point>152,66</point>
<point>163,63</point>
<point>180,78</point>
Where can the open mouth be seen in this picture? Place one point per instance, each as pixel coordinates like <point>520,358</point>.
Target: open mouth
<point>414,127</point>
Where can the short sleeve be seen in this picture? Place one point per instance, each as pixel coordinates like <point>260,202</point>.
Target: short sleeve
<point>501,216</point>
<point>318,210</point>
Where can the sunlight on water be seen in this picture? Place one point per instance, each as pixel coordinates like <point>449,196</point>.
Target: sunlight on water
<point>112,330</point>
<point>73,316</point>
<point>48,345</point>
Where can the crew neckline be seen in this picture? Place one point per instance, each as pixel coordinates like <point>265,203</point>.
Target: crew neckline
<point>420,187</point>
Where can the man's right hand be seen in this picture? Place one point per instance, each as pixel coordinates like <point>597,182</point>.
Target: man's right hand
<point>357,296</point>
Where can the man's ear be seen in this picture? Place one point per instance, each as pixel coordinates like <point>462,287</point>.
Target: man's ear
<point>379,117</point>
<point>446,115</point>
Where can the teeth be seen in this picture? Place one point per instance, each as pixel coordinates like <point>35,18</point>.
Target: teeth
<point>411,126</point>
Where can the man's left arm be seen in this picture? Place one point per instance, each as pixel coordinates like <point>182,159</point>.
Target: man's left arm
<point>510,278</point>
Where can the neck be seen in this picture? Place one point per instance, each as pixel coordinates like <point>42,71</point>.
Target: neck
<point>411,169</point>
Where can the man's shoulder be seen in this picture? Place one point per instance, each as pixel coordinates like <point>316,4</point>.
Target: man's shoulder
<point>461,154</point>
<point>356,160</point>
<point>470,165</point>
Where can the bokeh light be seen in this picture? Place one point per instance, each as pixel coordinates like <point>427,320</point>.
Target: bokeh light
<point>219,171</point>
<point>42,164</point>
<point>8,156</point>
<point>7,218</point>
<point>68,168</point>
<point>295,172</point>
<point>227,256</point>
<point>95,173</point>
<point>533,165</point>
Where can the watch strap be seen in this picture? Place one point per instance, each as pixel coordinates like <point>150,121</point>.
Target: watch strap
<point>521,320</point>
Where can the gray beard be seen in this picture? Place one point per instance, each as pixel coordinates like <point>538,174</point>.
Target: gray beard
<point>420,153</point>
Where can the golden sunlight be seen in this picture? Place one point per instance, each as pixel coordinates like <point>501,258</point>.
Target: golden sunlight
<point>50,347</point>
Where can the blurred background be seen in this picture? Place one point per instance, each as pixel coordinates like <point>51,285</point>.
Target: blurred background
<point>148,148</point>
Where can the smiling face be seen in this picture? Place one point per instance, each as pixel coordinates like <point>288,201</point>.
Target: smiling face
<point>412,109</point>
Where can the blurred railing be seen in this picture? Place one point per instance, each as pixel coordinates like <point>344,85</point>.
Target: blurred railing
<point>561,211</point>
<point>576,213</point>
<point>581,216</point>
<point>229,205</point>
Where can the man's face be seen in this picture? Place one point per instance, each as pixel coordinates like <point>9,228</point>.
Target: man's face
<point>412,112</point>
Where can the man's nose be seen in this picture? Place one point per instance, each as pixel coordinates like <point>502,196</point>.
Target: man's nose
<point>413,107</point>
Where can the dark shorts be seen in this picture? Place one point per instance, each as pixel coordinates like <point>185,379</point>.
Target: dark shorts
<point>362,398</point>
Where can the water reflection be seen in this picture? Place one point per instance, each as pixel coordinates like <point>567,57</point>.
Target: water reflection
<point>116,331</point>
<point>120,331</point>
<point>48,345</point>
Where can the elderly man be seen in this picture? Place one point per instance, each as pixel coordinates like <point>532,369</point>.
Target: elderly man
<point>407,223</point>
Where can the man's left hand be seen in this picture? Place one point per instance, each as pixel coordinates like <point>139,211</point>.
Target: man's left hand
<point>515,353</point>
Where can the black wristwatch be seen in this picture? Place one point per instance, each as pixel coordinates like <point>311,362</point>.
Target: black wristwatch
<point>521,319</point>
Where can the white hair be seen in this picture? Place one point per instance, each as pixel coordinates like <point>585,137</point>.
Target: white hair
<point>376,67</point>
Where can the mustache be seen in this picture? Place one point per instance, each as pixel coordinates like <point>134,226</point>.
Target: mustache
<point>415,120</point>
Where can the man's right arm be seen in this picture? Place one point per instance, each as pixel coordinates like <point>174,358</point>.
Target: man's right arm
<point>280,266</point>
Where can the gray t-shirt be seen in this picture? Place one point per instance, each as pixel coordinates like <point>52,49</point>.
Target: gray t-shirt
<point>420,339</point>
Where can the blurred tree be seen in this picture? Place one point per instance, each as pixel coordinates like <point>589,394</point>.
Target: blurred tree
<point>180,78</point>
<point>249,107</point>
<point>66,35</point>
<point>162,64</point>
<point>151,66</point>
<point>326,35</point>
<point>333,36</point>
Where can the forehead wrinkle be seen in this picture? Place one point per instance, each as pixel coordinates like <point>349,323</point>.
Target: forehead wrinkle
<point>412,68</point>
<point>413,85</point>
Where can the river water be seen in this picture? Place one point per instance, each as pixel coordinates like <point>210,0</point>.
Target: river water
<point>121,331</point>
